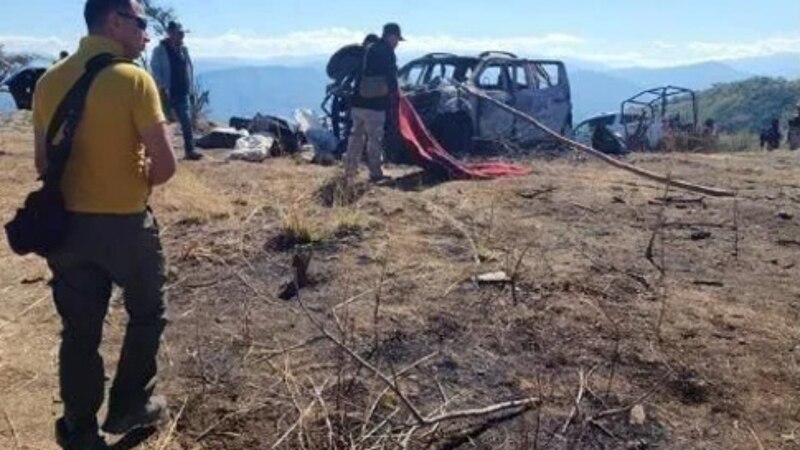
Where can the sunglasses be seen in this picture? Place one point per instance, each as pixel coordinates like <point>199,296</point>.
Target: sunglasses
<point>141,23</point>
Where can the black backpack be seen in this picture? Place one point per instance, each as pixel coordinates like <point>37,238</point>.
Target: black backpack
<point>40,226</point>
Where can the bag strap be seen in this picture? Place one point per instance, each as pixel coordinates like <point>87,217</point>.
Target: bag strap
<point>68,115</point>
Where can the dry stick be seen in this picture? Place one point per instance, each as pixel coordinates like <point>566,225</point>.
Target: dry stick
<point>401,373</point>
<point>458,226</point>
<point>714,192</point>
<point>418,417</point>
<point>378,427</point>
<point>377,311</point>
<point>625,409</point>
<point>578,400</point>
<point>227,417</point>
<point>736,227</point>
<point>467,413</point>
<point>391,384</point>
<point>272,353</point>
<point>755,436</point>
<point>515,274</point>
<point>13,429</point>
<point>166,440</point>
<point>326,414</point>
<point>25,311</point>
<point>297,423</point>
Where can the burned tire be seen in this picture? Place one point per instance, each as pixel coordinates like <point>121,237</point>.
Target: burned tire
<point>454,131</point>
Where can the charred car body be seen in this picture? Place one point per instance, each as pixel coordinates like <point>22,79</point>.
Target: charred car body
<point>653,119</point>
<point>537,87</point>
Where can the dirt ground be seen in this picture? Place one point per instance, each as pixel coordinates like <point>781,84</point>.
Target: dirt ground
<point>621,298</point>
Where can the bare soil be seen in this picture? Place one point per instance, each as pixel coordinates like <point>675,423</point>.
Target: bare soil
<point>685,305</point>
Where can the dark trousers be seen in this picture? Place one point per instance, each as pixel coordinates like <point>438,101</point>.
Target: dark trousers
<point>102,250</point>
<point>180,104</point>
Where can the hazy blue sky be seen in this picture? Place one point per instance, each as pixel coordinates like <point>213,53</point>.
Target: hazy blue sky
<point>617,32</point>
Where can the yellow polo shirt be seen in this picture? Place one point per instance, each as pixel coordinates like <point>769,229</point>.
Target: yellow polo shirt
<point>106,172</point>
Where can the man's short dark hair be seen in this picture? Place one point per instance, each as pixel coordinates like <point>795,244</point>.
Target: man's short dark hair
<point>96,11</point>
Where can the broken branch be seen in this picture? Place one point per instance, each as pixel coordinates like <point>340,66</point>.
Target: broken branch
<point>714,192</point>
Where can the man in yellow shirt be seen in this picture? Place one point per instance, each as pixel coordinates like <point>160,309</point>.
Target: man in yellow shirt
<point>120,151</point>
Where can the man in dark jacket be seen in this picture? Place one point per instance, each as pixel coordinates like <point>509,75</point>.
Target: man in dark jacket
<point>376,85</point>
<point>174,73</point>
<point>771,137</point>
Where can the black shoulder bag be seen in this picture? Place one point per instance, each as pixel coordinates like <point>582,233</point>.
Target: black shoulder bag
<point>40,226</point>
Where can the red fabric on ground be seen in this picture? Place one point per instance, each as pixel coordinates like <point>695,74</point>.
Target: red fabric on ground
<point>430,155</point>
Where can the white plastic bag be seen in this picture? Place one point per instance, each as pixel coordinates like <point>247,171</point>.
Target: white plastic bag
<point>253,148</point>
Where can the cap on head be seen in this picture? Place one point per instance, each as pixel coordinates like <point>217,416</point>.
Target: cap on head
<point>175,27</point>
<point>392,29</point>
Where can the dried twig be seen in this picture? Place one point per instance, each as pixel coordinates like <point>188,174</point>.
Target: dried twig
<point>392,384</point>
<point>167,438</point>
<point>597,154</point>
<point>13,429</point>
<point>755,437</point>
<point>476,255</point>
<point>578,400</point>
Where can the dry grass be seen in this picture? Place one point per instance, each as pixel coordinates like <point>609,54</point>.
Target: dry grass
<point>396,289</point>
<point>190,198</point>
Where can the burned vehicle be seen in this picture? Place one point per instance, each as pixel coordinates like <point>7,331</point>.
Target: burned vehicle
<point>21,85</point>
<point>538,88</point>
<point>458,120</point>
<point>653,119</point>
<point>661,118</point>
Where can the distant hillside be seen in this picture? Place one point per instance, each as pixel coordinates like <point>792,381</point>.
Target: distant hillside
<point>785,65</point>
<point>749,105</point>
<point>270,89</point>
<point>695,76</point>
<point>596,92</point>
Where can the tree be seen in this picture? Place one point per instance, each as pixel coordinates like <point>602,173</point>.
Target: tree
<point>160,14</point>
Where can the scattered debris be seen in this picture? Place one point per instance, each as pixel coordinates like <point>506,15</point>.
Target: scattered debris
<point>499,277</point>
<point>535,193</point>
<point>674,200</point>
<point>708,283</point>
<point>637,417</point>
<point>254,148</point>
<point>321,139</point>
<point>639,444</point>
<point>221,138</point>
<point>287,134</point>
<point>300,263</point>
<point>700,235</point>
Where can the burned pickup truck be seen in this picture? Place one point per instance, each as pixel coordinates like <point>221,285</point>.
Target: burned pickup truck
<point>459,120</point>
<point>536,87</point>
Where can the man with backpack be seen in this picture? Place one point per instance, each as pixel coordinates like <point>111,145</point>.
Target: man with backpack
<point>376,86</point>
<point>119,152</point>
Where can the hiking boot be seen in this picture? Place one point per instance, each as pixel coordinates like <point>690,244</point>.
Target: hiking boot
<point>194,156</point>
<point>69,440</point>
<point>379,179</point>
<point>147,416</point>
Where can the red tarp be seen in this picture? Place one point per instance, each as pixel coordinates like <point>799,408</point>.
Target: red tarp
<point>429,154</point>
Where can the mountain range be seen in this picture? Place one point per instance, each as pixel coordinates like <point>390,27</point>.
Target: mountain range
<point>240,87</point>
<point>246,87</point>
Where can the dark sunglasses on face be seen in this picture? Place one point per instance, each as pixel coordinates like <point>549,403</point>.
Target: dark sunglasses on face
<point>141,23</point>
